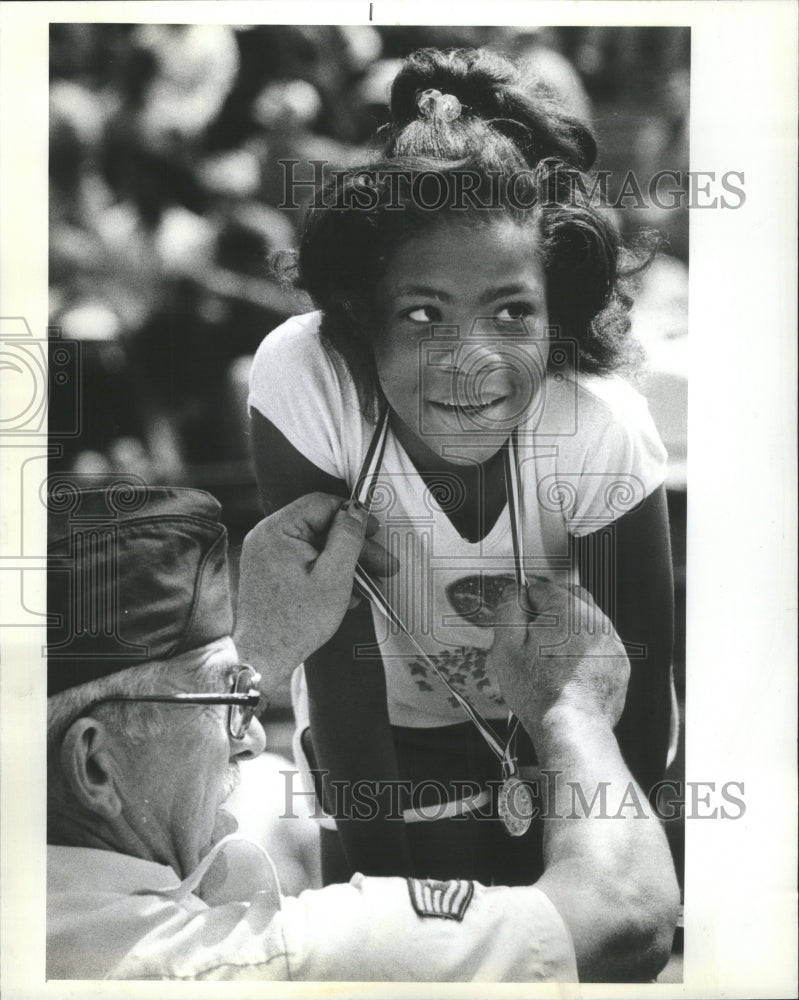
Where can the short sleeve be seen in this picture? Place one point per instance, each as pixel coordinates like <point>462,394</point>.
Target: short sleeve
<point>613,462</point>
<point>369,930</point>
<point>297,386</point>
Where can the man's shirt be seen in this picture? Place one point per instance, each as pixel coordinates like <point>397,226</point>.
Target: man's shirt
<point>111,916</point>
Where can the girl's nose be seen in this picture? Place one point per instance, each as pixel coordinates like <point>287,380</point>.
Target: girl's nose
<point>477,328</point>
<point>487,369</point>
<point>479,356</point>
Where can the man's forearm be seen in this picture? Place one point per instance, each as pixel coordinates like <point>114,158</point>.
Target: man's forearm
<point>608,866</point>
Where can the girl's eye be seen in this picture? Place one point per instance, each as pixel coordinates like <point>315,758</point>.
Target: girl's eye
<point>424,314</point>
<point>515,312</point>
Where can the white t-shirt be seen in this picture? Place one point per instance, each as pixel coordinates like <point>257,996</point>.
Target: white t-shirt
<point>587,454</point>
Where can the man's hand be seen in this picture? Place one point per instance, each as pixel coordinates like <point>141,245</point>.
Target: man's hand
<point>296,580</point>
<point>563,671</point>
<point>553,648</point>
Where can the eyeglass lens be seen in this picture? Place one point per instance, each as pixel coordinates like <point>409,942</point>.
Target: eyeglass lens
<point>241,715</point>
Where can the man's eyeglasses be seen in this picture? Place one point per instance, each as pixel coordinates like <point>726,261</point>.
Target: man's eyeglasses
<point>243,699</point>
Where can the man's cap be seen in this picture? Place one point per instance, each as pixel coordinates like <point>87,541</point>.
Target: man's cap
<point>134,573</point>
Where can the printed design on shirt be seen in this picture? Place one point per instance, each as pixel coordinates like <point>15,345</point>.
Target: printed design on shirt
<point>462,666</point>
<point>476,598</point>
<point>449,900</point>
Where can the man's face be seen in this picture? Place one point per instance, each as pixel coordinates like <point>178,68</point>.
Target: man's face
<point>175,784</point>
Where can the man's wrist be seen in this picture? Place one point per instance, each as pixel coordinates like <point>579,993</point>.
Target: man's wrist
<point>274,664</point>
<point>563,727</point>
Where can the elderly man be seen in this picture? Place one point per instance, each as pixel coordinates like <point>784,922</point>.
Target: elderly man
<point>151,709</point>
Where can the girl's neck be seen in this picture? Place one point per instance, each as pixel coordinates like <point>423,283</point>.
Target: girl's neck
<point>428,461</point>
<point>475,508</point>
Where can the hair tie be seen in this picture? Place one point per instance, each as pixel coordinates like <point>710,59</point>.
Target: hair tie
<point>432,103</point>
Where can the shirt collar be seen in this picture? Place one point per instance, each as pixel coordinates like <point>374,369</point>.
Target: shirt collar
<point>81,868</point>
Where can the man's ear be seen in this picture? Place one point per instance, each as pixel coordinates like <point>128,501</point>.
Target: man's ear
<point>89,767</point>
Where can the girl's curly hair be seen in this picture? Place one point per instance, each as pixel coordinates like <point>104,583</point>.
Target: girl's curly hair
<point>509,153</point>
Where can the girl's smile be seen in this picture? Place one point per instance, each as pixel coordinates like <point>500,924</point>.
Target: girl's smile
<point>462,347</point>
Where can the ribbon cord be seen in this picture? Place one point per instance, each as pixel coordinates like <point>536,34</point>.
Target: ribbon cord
<point>364,583</point>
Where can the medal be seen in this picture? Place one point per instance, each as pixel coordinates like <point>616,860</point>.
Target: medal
<point>515,806</point>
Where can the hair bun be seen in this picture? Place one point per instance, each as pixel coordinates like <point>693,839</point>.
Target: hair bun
<point>489,92</point>
<point>432,103</point>
<point>474,76</point>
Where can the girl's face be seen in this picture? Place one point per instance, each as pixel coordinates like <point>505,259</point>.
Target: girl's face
<point>461,347</point>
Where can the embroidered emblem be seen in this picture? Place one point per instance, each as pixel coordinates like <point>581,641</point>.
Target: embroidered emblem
<point>431,898</point>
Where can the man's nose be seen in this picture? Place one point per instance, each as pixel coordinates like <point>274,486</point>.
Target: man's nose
<point>251,745</point>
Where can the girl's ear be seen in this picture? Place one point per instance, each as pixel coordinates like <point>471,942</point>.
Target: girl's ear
<point>89,767</point>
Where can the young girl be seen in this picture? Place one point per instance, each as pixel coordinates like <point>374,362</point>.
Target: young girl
<point>459,378</point>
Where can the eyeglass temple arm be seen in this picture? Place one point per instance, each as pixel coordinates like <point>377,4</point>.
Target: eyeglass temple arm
<point>252,698</point>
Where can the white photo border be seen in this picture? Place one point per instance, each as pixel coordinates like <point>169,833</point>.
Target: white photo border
<point>740,912</point>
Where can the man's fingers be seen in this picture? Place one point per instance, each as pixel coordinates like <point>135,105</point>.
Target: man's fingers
<point>345,540</point>
<point>372,527</point>
<point>544,597</point>
<point>309,516</point>
<point>376,560</point>
<point>512,607</point>
<point>510,622</point>
<point>542,605</point>
<point>571,603</point>
<point>540,598</point>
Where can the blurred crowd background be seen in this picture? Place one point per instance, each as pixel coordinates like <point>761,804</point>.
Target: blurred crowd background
<point>165,182</point>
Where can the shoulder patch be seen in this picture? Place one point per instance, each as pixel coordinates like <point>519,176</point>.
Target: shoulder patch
<point>431,898</point>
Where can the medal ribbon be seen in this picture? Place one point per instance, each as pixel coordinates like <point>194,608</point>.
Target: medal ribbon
<point>362,491</point>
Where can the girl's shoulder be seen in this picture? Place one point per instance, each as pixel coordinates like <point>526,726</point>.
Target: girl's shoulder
<point>599,419</point>
<point>586,405</point>
<point>293,359</point>
<point>297,337</point>
<point>297,386</point>
<point>602,451</point>
<point>609,394</point>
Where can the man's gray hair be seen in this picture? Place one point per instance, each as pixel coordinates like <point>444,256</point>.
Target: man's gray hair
<point>135,721</point>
